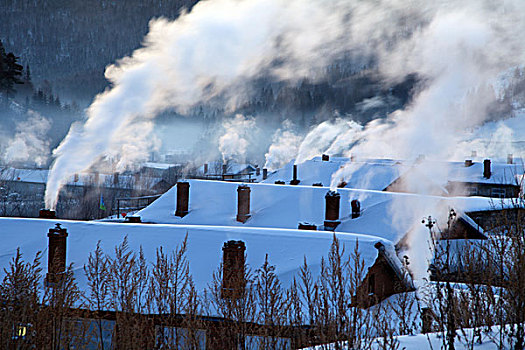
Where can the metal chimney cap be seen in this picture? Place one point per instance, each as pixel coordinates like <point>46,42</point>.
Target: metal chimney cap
<point>332,194</point>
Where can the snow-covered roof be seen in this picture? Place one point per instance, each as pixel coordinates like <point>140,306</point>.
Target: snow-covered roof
<point>383,214</point>
<point>215,168</point>
<point>285,248</point>
<point>501,173</point>
<point>370,174</point>
<point>24,175</point>
<point>377,174</point>
<point>160,166</point>
<point>39,176</point>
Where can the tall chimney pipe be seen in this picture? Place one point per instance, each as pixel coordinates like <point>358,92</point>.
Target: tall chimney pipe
<point>115,178</point>
<point>294,176</point>
<point>56,258</point>
<point>243,203</point>
<point>183,198</point>
<point>224,168</point>
<point>205,168</point>
<point>257,171</point>
<point>509,158</point>
<point>265,173</point>
<point>486,169</point>
<point>331,217</point>
<point>233,271</point>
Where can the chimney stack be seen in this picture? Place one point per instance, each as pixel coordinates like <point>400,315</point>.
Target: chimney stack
<point>205,169</point>
<point>356,208</point>
<point>97,178</point>
<point>233,278</point>
<point>294,178</point>
<point>115,178</point>
<point>306,226</point>
<point>56,256</point>
<point>468,163</point>
<point>224,168</point>
<point>486,169</point>
<point>47,214</point>
<point>183,198</point>
<point>325,157</point>
<point>331,217</point>
<point>509,158</point>
<point>243,203</point>
<point>257,171</point>
<point>265,173</point>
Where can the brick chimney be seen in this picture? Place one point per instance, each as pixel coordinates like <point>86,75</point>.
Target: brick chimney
<point>233,278</point>
<point>183,198</point>
<point>356,208</point>
<point>224,168</point>
<point>331,218</point>
<point>205,168</point>
<point>325,157</point>
<point>56,256</point>
<point>294,176</point>
<point>115,178</point>
<point>486,169</point>
<point>265,173</point>
<point>243,203</point>
<point>307,226</point>
<point>468,163</point>
<point>257,171</point>
<point>47,214</point>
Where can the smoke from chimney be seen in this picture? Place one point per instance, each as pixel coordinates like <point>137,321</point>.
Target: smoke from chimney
<point>451,45</point>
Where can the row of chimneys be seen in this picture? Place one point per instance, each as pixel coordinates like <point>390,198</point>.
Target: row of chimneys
<point>233,265</point>
<point>332,205</point>
<point>486,166</point>
<point>487,172</point>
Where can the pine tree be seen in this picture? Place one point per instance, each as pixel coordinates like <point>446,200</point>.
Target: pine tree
<point>10,72</point>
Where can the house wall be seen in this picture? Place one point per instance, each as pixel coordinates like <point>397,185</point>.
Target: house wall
<point>493,190</point>
<point>379,283</point>
<point>493,220</point>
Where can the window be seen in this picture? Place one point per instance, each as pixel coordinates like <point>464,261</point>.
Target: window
<point>498,192</point>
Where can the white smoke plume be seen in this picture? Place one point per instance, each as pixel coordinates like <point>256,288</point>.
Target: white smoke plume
<point>207,53</point>
<point>233,144</point>
<point>30,143</point>
<point>330,137</point>
<point>455,46</point>
<point>284,147</point>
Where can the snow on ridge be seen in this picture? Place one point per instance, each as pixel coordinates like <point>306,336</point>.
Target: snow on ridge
<point>285,248</point>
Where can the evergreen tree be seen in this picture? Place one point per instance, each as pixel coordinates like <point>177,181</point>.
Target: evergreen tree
<point>10,72</point>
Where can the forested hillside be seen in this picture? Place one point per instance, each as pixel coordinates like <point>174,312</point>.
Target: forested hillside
<point>69,42</point>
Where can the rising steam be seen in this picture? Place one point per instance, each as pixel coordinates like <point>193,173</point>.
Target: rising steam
<point>233,144</point>
<point>30,142</point>
<point>457,48</point>
<point>284,147</point>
